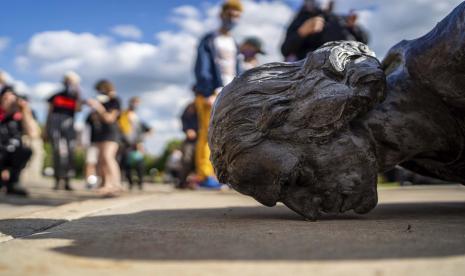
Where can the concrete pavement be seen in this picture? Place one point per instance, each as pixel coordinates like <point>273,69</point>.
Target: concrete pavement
<point>166,232</point>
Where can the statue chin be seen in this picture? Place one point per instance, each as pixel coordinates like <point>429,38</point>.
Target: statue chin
<point>334,177</point>
<point>313,206</point>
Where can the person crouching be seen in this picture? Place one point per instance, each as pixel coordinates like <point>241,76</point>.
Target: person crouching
<point>16,120</point>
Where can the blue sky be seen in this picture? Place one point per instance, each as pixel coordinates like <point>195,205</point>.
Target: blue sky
<point>24,18</point>
<point>27,17</point>
<point>147,47</point>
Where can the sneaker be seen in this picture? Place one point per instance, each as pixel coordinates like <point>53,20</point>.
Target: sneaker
<point>210,183</point>
<point>92,182</point>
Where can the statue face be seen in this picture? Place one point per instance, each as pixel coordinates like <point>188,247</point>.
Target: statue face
<point>333,177</point>
<point>281,135</point>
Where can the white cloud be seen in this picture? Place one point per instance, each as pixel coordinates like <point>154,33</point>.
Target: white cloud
<point>4,42</point>
<point>53,46</point>
<point>22,63</point>
<point>127,31</point>
<point>161,72</point>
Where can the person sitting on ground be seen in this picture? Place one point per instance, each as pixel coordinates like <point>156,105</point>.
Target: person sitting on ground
<point>16,120</point>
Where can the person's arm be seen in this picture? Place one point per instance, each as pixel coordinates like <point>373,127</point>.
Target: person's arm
<point>78,105</point>
<point>203,69</point>
<point>29,124</point>
<point>107,117</point>
<point>47,122</point>
<point>291,44</point>
<point>297,33</point>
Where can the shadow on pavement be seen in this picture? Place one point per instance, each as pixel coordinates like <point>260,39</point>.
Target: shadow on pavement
<point>42,194</point>
<point>260,233</point>
<point>44,200</point>
<point>18,228</point>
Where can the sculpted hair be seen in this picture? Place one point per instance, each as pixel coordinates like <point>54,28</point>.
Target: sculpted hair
<point>305,101</point>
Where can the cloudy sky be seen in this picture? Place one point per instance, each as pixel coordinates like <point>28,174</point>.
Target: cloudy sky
<point>147,47</point>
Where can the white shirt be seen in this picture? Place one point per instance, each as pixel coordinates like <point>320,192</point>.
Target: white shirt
<point>226,52</point>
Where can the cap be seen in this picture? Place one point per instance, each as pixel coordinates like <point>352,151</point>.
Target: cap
<point>8,89</point>
<point>232,4</point>
<point>256,42</point>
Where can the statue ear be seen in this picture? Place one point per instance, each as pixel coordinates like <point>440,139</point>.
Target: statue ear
<point>325,112</point>
<point>325,104</point>
<point>329,109</point>
<point>274,113</point>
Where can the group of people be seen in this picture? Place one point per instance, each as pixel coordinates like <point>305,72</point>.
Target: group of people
<point>220,59</point>
<point>116,136</point>
<point>120,133</point>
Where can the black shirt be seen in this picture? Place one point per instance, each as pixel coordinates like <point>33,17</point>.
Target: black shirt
<point>64,102</point>
<point>335,29</point>
<point>189,119</point>
<point>101,131</point>
<point>11,131</point>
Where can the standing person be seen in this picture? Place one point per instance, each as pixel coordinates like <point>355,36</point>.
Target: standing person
<point>190,128</point>
<point>91,172</point>
<point>217,64</point>
<point>355,30</point>
<point>104,129</point>
<point>16,120</point>
<point>133,131</point>
<point>60,129</point>
<point>313,27</point>
<point>250,48</point>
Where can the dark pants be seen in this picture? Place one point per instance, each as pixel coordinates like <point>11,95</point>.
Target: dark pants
<point>128,168</point>
<point>14,162</point>
<point>188,161</point>
<point>62,137</point>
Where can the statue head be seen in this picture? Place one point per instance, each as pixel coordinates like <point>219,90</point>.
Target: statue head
<point>289,132</point>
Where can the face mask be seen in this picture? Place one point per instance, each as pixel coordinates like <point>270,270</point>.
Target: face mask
<point>311,4</point>
<point>102,98</point>
<point>228,24</point>
<point>249,53</point>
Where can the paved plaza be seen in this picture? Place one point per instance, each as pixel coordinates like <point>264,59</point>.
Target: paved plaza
<point>414,231</point>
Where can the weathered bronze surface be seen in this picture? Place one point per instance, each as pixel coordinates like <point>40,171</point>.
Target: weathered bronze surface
<point>314,134</point>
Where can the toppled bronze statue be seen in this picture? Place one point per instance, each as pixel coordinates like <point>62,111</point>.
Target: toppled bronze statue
<point>314,134</point>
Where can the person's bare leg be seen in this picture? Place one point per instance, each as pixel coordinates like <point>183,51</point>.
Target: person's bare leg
<point>105,187</point>
<point>110,169</point>
<point>114,171</point>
